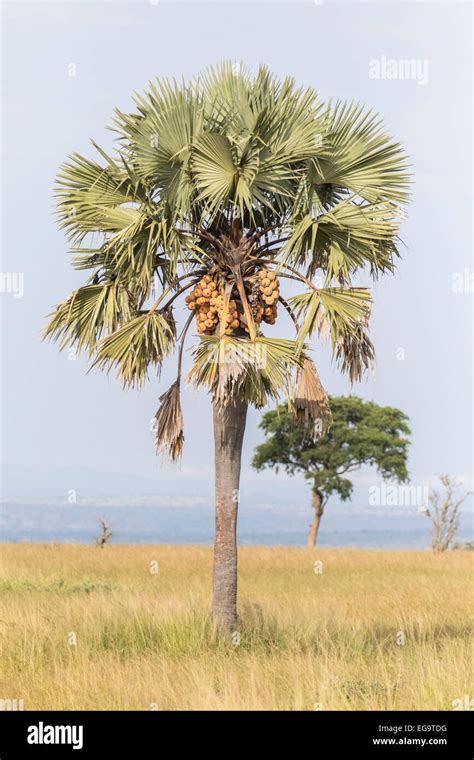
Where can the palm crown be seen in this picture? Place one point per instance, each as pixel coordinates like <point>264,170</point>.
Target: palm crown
<point>220,191</point>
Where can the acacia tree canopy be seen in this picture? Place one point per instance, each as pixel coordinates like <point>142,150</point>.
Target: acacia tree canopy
<point>362,433</point>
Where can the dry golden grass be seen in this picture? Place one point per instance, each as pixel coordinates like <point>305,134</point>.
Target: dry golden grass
<point>376,630</point>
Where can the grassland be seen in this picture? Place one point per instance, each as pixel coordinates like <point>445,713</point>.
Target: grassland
<point>373,630</point>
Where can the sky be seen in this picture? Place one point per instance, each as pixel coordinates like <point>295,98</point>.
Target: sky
<point>67,65</point>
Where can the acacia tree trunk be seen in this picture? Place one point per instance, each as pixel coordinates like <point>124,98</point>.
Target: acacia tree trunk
<point>317,502</point>
<point>229,428</point>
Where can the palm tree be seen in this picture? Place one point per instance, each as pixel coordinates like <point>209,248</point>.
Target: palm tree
<point>220,191</point>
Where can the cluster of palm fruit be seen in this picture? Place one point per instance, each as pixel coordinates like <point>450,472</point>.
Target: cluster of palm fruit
<point>264,296</point>
<point>207,301</point>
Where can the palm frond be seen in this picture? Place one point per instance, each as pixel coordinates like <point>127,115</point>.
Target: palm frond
<point>355,353</point>
<point>254,371</point>
<point>169,429</point>
<point>160,137</point>
<point>333,311</point>
<point>359,154</point>
<point>94,198</point>
<point>214,170</point>
<point>89,313</point>
<point>344,239</point>
<point>311,402</point>
<point>142,342</point>
<point>138,237</point>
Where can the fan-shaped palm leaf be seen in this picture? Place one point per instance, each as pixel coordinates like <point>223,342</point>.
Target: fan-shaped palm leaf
<point>334,311</point>
<point>254,371</point>
<point>89,313</point>
<point>142,342</point>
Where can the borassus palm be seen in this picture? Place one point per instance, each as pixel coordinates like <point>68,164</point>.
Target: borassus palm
<point>220,192</point>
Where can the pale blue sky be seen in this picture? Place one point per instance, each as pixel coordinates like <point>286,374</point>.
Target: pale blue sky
<point>56,416</point>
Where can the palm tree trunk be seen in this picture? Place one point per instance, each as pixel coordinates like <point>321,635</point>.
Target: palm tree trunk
<point>317,501</point>
<point>229,428</point>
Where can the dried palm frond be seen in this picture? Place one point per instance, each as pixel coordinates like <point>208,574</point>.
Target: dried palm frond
<point>169,431</point>
<point>311,402</point>
<point>231,375</point>
<point>355,353</point>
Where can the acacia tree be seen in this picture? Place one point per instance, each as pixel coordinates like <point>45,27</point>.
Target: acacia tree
<point>361,433</point>
<point>223,189</point>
